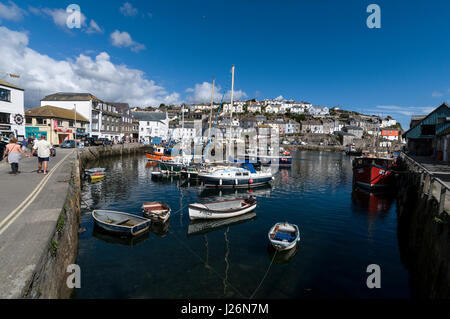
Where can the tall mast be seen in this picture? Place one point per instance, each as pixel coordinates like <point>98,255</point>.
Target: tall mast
<point>231,106</point>
<point>212,105</point>
<point>182,122</point>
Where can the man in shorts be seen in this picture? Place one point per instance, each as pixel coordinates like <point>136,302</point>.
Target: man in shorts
<point>43,148</point>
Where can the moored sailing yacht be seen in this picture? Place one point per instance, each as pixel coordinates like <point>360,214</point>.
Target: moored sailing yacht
<point>232,176</point>
<point>235,177</point>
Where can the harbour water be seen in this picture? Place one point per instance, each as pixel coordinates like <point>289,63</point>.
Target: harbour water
<point>342,232</point>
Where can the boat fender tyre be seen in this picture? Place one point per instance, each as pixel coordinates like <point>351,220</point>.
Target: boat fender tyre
<point>220,182</point>
<point>236,181</point>
<point>250,181</point>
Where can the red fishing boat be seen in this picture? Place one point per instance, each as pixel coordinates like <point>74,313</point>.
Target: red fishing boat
<point>160,154</point>
<point>373,172</point>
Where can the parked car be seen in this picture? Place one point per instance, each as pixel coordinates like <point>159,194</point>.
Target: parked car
<point>2,149</point>
<point>68,144</point>
<point>104,141</point>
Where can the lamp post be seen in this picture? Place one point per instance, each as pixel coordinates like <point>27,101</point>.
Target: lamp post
<point>75,124</point>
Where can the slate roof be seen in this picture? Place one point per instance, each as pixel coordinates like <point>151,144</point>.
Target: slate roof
<point>149,116</point>
<point>4,83</point>
<point>49,111</point>
<point>64,96</point>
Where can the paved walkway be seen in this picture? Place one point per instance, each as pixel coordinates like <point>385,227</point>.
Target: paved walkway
<point>439,169</point>
<point>30,205</point>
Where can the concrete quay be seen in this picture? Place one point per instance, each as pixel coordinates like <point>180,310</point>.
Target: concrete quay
<point>39,221</point>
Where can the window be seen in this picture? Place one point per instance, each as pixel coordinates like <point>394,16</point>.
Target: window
<point>60,123</point>
<point>40,121</point>
<point>28,120</point>
<point>4,118</point>
<point>5,95</point>
<point>70,123</point>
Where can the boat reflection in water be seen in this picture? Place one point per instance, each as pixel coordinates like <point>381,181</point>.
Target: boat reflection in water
<point>151,164</point>
<point>216,193</point>
<point>206,226</point>
<point>160,229</point>
<point>120,240</point>
<point>373,202</point>
<point>375,205</point>
<point>282,257</point>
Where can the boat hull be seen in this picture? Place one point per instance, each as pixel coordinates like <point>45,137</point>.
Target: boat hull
<point>142,224</point>
<point>156,211</point>
<point>282,245</point>
<point>200,213</point>
<point>158,157</point>
<point>169,167</point>
<point>372,176</point>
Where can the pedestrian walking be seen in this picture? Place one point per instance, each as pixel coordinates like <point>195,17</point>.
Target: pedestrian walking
<point>13,151</point>
<point>43,148</point>
<point>24,144</point>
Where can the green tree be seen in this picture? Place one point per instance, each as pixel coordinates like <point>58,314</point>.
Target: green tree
<point>300,117</point>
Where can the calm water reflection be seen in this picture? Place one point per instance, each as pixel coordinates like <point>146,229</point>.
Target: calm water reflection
<point>342,233</point>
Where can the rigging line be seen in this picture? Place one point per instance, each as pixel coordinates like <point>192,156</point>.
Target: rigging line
<point>265,275</point>
<point>198,256</point>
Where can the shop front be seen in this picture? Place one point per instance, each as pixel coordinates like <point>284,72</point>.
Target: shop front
<point>64,134</point>
<point>35,132</point>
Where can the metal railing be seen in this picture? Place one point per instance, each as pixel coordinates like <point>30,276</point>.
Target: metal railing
<point>429,182</point>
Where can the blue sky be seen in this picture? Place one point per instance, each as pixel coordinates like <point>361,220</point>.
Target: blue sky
<point>317,51</point>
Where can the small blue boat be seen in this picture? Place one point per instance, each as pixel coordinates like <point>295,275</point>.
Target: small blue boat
<point>284,236</point>
<point>120,223</point>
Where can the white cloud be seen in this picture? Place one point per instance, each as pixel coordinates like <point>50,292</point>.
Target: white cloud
<point>123,39</point>
<point>59,17</point>
<point>128,10</point>
<point>201,93</point>
<point>403,110</point>
<point>11,11</point>
<point>93,28</point>
<point>279,98</point>
<point>436,94</point>
<point>98,75</point>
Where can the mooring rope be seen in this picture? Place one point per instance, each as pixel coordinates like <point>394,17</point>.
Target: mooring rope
<point>265,275</point>
<point>203,261</point>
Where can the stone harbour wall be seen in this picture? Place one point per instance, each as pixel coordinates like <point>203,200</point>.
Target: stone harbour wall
<point>423,233</point>
<point>50,279</point>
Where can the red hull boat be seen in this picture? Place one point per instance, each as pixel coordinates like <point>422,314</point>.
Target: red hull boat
<point>373,172</point>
